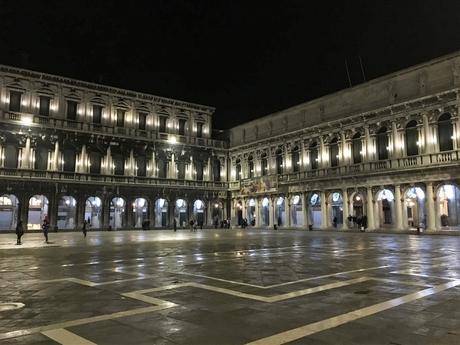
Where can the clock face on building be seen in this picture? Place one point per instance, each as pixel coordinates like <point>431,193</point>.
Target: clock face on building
<point>314,199</point>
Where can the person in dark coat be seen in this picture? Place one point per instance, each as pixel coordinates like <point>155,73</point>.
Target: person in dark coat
<point>175,224</point>
<point>46,228</point>
<point>19,232</point>
<point>84,228</point>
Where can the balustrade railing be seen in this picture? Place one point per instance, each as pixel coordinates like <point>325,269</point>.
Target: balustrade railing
<point>402,163</point>
<point>27,174</point>
<point>31,119</point>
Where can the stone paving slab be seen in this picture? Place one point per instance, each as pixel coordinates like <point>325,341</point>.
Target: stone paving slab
<point>235,274</point>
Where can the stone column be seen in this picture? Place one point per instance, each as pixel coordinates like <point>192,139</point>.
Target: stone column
<point>53,210</point>
<point>324,222</point>
<point>105,221</point>
<point>370,209</point>
<point>376,215</point>
<point>287,210</point>
<point>398,208</point>
<point>429,208</point>
<point>426,133</point>
<point>23,209</point>
<point>305,204</point>
<point>257,212</point>
<point>272,212</point>
<point>245,210</point>
<point>345,212</point>
<point>129,214</point>
<point>80,211</point>
<point>151,206</point>
<point>172,213</point>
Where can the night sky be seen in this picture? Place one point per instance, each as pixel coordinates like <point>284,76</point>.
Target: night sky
<point>246,58</point>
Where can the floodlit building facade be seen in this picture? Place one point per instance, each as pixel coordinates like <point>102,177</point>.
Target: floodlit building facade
<point>384,154</point>
<point>72,151</point>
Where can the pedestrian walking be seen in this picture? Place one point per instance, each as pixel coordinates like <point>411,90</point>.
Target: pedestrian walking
<point>191,225</point>
<point>19,232</point>
<point>84,228</point>
<point>175,224</point>
<point>45,228</point>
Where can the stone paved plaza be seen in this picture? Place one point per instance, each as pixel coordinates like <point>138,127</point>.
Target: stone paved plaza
<point>230,287</point>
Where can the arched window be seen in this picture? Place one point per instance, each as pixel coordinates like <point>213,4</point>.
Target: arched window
<point>411,138</point>
<point>119,163</point>
<point>69,160</point>
<point>251,166</point>
<point>11,155</point>
<point>445,133</point>
<point>216,169</point>
<point>279,161</point>
<point>264,164</point>
<point>314,156</point>
<point>356,148</point>
<point>238,170</point>
<point>141,165</point>
<point>162,168</point>
<point>334,152</point>
<point>295,158</point>
<point>95,161</point>
<point>382,144</point>
<point>41,158</point>
<point>199,170</point>
<point>181,170</point>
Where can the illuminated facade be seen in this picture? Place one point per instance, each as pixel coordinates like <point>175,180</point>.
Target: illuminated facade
<point>385,152</point>
<point>72,151</point>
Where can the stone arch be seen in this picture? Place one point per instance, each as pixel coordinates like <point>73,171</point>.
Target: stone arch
<point>199,212</point>
<point>162,212</point>
<point>296,211</point>
<point>414,214</point>
<point>9,211</point>
<point>314,209</point>
<point>335,208</point>
<point>38,211</point>
<point>93,211</point>
<point>67,212</point>
<point>117,212</point>
<point>448,205</point>
<point>386,207</point>
<point>140,210</point>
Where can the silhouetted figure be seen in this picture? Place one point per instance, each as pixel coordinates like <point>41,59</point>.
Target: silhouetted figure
<point>19,232</point>
<point>175,224</point>
<point>46,228</point>
<point>84,228</point>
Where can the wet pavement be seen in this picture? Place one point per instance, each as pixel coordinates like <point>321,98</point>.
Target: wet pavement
<point>230,287</point>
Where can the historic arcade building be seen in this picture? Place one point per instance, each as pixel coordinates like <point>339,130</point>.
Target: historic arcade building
<point>386,151</point>
<point>72,151</point>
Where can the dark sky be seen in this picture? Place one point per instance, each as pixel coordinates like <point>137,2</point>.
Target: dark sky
<point>247,58</point>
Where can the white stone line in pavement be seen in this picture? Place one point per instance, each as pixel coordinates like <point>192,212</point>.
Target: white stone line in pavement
<point>89,283</point>
<point>65,337</point>
<point>268,286</point>
<point>78,322</point>
<point>281,297</point>
<point>309,329</point>
<point>405,282</point>
<point>410,273</point>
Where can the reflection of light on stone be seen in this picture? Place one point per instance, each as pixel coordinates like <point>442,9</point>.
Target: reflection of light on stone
<point>385,194</point>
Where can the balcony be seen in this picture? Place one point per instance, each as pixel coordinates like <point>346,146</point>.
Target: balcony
<point>31,120</point>
<point>69,177</point>
<point>438,159</point>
